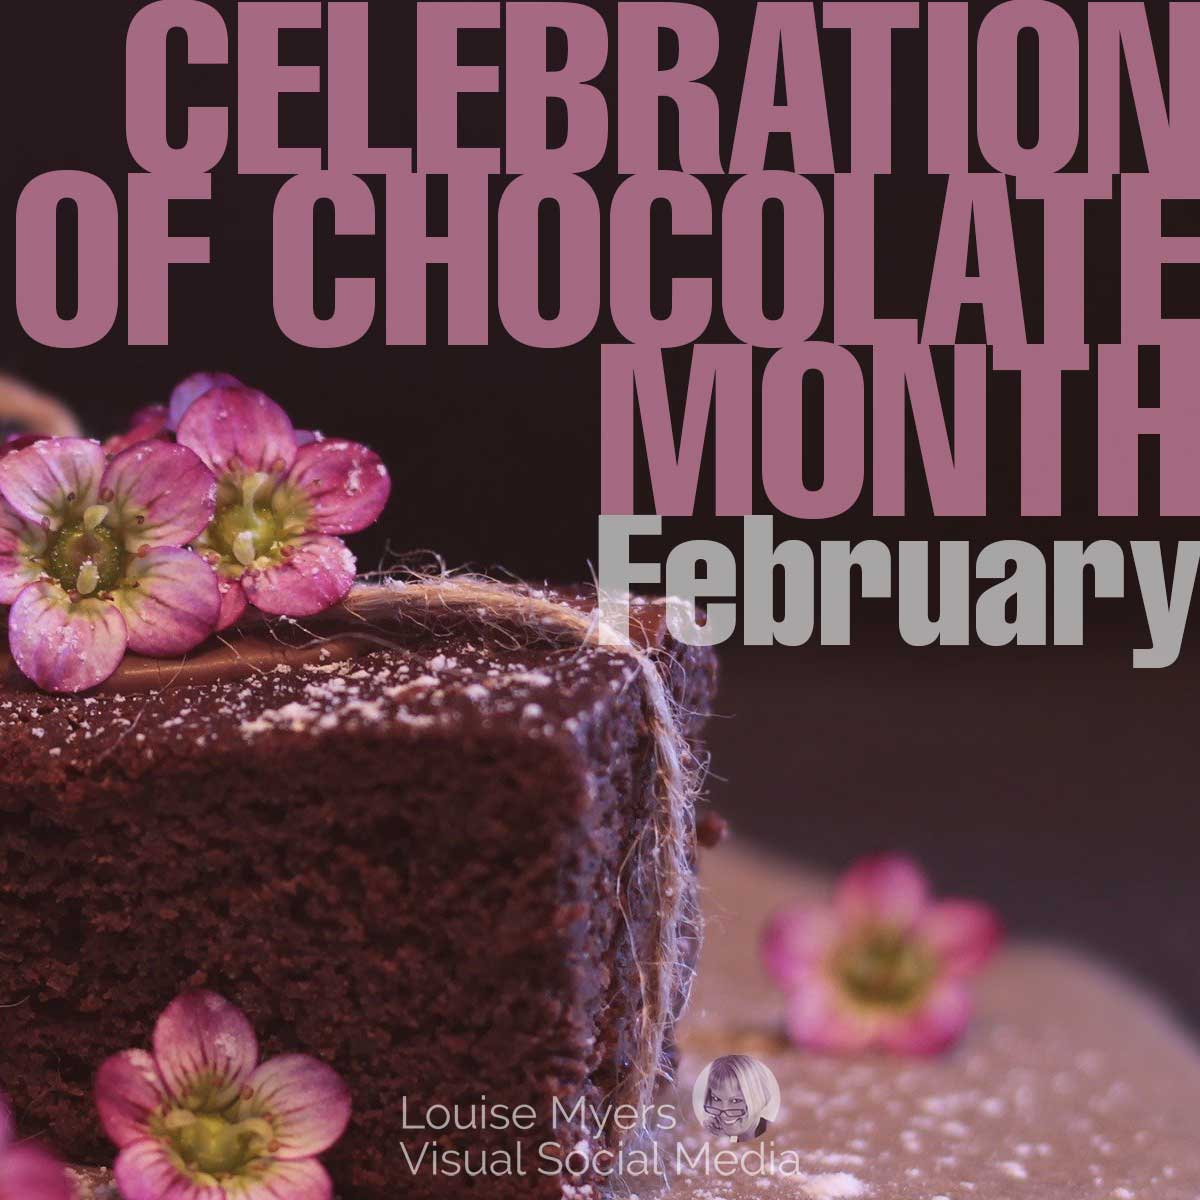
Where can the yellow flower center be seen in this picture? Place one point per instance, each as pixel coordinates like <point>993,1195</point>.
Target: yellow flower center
<point>254,521</point>
<point>209,1144</point>
<point>886,968</point>
<point>85,557</point>
<point>245,528</point>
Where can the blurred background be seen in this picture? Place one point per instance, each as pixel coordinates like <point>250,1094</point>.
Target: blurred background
<point>1059,784</point>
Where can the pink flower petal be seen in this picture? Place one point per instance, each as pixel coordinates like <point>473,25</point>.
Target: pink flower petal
<point>305,1101</point>
<point>163,495</point>
<point>144,1171</point>
<point>64,646</point>
<point>175,605</point>
<point>935,1026</point>
<point>19,539</point>
<point>145,424</point>
<point>128,1089</point>
<point>30,1173</point>
<point>818,1018</point>
<point>189,390</point>
<point>237,430</point>
<point>345,485</point>
<point>39,480</point>
<point>302,1180</point>
<point>796,941</point>
<point>889,889</point>
<point>202,1039</point>
<point>233,601</point>
<point>319,574</point>
<point>962,933</point>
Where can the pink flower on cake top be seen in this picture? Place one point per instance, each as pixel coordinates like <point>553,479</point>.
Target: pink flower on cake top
<point>26,1171</point>
<point>201,1119</point>
<point>189,390</point>
<point>884,966</point>
<point>283,501</point>
<point>166,533</point>
<point>93,559</point>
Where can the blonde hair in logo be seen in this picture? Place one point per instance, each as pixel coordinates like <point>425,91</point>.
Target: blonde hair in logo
<point>753,1080</point>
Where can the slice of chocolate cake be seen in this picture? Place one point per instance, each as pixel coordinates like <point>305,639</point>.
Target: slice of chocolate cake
<point>404,851</point>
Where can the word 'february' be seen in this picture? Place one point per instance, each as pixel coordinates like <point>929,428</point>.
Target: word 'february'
<point>1006,590</point>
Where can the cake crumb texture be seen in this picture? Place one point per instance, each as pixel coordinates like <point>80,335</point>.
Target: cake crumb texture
<point>405,863</point>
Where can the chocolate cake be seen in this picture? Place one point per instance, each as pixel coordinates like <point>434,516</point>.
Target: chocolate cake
<point>1073,1081</point>
<point>402,853</point>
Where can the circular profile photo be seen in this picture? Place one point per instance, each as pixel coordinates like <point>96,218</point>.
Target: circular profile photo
<point>736,1096</point>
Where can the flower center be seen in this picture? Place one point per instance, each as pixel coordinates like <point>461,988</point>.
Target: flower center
<point>85,557</point>
<point>213,1145</point>
<point>886,967</point>
<point>246,528</point>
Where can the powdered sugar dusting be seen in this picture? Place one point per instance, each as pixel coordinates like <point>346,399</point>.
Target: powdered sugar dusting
<point>834,1187</point>
<point>462,680</point>
<point>1070,1083</point>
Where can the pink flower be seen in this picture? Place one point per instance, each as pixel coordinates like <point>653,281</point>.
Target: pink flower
<point>26,1171</point>
<point>883,967</point>
<point>282,499</point>
<point>194,386</point>
<point>92,557</point>
<point>201,1119</point>
<point>189,390</point>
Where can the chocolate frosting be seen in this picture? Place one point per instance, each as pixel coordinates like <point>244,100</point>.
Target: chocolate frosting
<point>259,645</point>
<point>235,655</point>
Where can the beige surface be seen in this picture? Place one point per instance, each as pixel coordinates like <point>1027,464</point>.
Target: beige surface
<point>1072,1084</point>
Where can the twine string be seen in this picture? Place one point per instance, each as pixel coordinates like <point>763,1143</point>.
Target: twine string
<point>656,879</point>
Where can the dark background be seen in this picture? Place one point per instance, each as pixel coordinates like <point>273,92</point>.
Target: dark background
<point>1056,783</point>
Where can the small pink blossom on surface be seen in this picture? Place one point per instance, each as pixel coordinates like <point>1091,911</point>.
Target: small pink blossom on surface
<point>93,559</point>
<point>28,1172</point>
<point>200,1118</point>
<point>283,498</point>
<point>884,966</point>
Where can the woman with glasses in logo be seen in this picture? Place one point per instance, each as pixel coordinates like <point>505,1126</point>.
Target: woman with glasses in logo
<point>737,1094</point>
